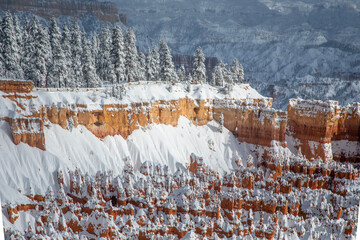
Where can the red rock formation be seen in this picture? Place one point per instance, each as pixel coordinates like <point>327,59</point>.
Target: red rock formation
<point>28,130</point>
<point>16,86</point>
<point>253,122</point>
<point>315,124</point>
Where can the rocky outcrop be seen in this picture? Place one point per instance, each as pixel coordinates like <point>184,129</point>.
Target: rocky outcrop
<point>315,125</point>
<point>107,12</point>
<point>12,86</point>
<point>252,122</point>
<point>28,130</point>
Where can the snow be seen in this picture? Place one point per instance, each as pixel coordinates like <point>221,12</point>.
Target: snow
<point>138,92</point>
<point>32,170</point>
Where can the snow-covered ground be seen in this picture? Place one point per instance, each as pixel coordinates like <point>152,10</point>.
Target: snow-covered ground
<point>32,170</point>
<point>137,92</point>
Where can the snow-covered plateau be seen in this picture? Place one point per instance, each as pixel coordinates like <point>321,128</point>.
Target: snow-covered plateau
<point>175,160</point>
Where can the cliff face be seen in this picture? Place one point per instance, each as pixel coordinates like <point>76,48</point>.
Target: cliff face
<point>316,126</point>
<point>318,129</point>
<point>253,122</point>
<point>105,11</point>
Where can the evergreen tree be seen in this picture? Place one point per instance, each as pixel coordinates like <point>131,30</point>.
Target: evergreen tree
<point>106,69</point>
<point>58,69</point>
<point>76,54</point>
<point>43,47</point>
<point>219,74</point>
<point>153,65</point>
<point>131,56</point>
<point>236,71</point>
<point>181,73</point>
<point>199,70</point>
<point>117,53</point>
<point>9,49</point>
<point>167,71</point>
<point>142,66</point>
<point>2,70</point>
<point>19,32</point>
<point>91,79</point>
<point>37,53</point>
<point>66,46</point>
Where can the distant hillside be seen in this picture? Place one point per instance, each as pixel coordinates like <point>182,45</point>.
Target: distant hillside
<point>107,12</point>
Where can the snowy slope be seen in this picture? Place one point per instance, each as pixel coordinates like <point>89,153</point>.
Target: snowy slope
<point>278,42</point>
<point>32,170</point>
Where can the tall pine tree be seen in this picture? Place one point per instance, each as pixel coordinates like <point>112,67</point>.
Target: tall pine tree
<point>106,68</point>
<point>76,50</point>
<point>142,67</point>
<point>153,65</point>
<point>91,78</point>
<point>167,70</point>
<point>37,53</point>
<point>117,53</point>
<point>219,74</point>
<point>237,72</point>
<point>199,70</point>
<point>9,49</point>
<point>66,46</point>
<point>58,69</point>
<point>131,56</point>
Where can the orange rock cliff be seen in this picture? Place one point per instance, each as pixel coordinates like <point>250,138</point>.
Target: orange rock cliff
<point>313,127</point>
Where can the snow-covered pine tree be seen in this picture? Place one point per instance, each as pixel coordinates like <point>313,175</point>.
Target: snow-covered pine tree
<point>167,70</point>
<point>58,69</point>
<point>142,66</point>
<point>181,73</point>
<point>153,64</point>
<point>95,47</point>
<point>91,78</point>
<point>37,52</point>
<point>43,46</point>
<point>237,72</point>
<point>106,70</point>
<point>241,75</point>
<point>131,56</point>
<point>66,46</point>
<point>9,49</point>
<point>117,53</point>
<point>199,70</point>
<point>19,31</point>
<point>218,75</point>
<point>2,68</point>
<point>76,54</point>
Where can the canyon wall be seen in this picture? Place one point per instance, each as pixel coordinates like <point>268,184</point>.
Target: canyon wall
<point>107,12</point>
<point>314,128</point>
<point>325,129</point>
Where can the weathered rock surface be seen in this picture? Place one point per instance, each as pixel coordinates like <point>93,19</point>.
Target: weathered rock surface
<point>314,125</point>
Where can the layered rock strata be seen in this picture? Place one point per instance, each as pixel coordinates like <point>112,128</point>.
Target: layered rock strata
<point>315,126</point>
<point>316,129</point>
